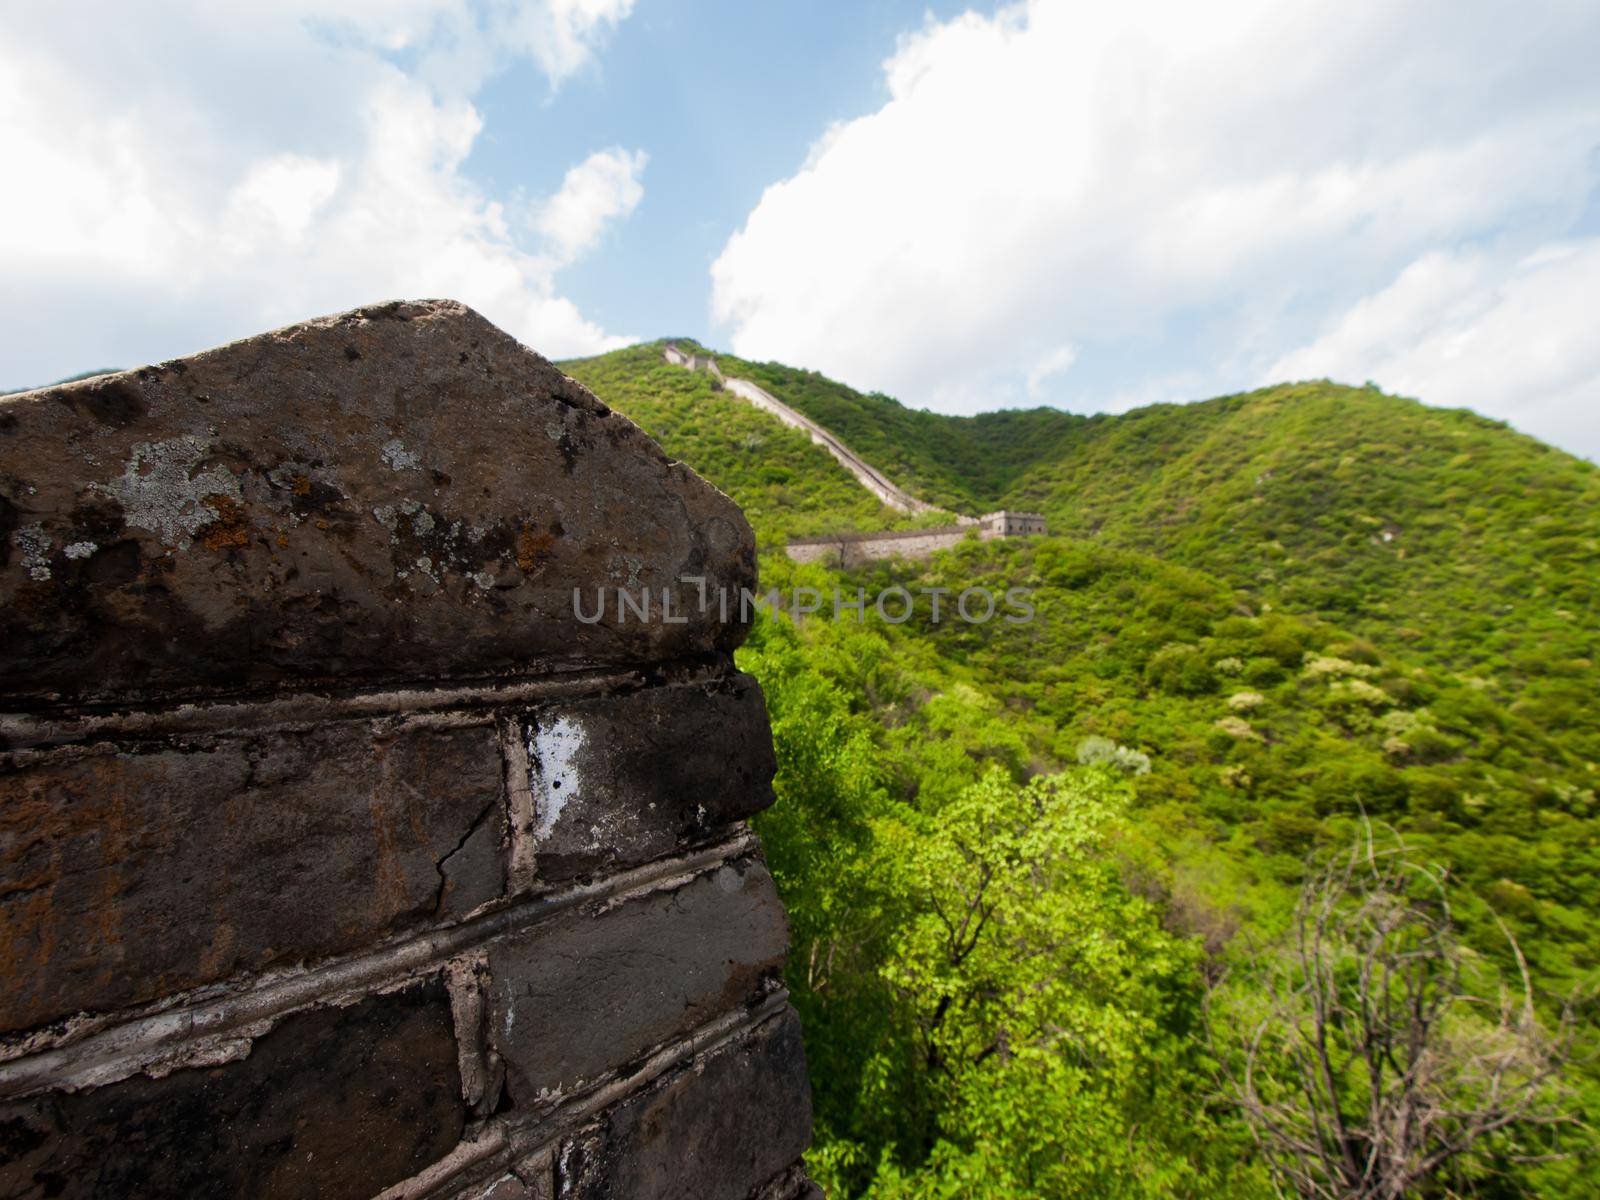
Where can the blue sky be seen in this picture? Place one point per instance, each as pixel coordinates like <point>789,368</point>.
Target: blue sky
<point>725,98</point>
<point>965,206</point>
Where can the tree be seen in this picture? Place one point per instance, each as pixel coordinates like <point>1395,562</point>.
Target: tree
<point>1376,1056</point>
<point>1050,1014</point>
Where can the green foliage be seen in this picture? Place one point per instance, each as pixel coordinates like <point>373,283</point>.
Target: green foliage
<point>989,1010</point>
<point>1422,529</point>
<point>1271,731</point>
<point>1261,619</point>
<point>58,382</point>
<point>787,486</point>
<point>1433,532</point>
<point>1050,1010</point>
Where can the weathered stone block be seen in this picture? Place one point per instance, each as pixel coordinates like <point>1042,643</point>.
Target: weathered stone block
<point>331,1103</point>
<point>134,873</point>
<point>395,493</point>
<point>580,997</point>
<point>713,1130</point>
<point>217,576</point>
<point>621,780</point>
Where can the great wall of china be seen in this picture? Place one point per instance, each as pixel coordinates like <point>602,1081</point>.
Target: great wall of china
<point>866,474</point>
<point>338,857</point>
<point>852,549</point>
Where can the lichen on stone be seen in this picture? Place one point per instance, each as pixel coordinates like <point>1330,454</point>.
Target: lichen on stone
<point>398,457</point>
<point>35,545</point>
<point>160,490</point>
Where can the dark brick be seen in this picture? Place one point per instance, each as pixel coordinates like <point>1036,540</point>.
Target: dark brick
<point>331,1103</point>
<point>125,876</point>
<point>398,493</point>
<point>714,1130</point>
<point>585,995</point>
<point>621,780</point>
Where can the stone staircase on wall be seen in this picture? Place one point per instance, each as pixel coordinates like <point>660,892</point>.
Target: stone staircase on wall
<point>867,475</point>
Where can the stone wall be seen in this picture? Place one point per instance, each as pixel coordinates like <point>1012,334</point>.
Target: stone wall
<point>865,473</point>
<point>337,858</point>
<point>853,549</point>
<point>1010,523</point>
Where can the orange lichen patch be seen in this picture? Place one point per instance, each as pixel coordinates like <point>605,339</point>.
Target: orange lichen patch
<point>532,548</point>
<point>229,529</point>
<point>301,486</point>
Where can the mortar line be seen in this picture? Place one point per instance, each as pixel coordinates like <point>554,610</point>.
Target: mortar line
<point>122,1048</point>
<point>502,1143</point>
<point>309,707</point>
<point>519,805</point>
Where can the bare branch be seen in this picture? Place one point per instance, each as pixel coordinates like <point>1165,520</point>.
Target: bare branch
<point>1370,1065</point>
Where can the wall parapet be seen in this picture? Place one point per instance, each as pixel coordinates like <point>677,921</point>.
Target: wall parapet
<point>336,857</point>
<point>885,535</point>
<point>853,549</point>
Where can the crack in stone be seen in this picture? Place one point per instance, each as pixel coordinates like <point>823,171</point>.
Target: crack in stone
<point>443,865</point>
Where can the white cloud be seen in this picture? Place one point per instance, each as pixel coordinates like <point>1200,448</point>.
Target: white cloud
<point>1517,339</point>
<point>561,34</point>
<point>1053,363</point>
<point>600,190</point>
<point>279,197</point>
<point>1179,191</point>
<point>185,172</point>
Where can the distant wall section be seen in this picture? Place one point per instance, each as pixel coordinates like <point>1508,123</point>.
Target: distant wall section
<point>867,475</point>
<point>853,549</point>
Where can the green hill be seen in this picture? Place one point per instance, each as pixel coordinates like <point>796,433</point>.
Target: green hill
<point>787,486</point>
<point>963,463</point>
<point>59,382</point>
<point>1276,614</point>
<point>1435,528</point>
<point>1432,529</point>
<point>1443,559</point>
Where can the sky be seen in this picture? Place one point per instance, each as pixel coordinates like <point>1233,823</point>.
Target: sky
<point>1091,206</point>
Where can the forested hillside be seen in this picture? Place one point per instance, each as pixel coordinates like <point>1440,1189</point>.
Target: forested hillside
<point>962,463</point>
<point>1421,523</point>
<point>786,486</point>
<point>1028,865</point>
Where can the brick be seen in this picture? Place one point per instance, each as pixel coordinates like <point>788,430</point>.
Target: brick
<point>621,780</point>
<point>578,998</point>
<point>717,1129</point>
<point>397,493</point>
<point>338,1102</point>
<point>128,875</point>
